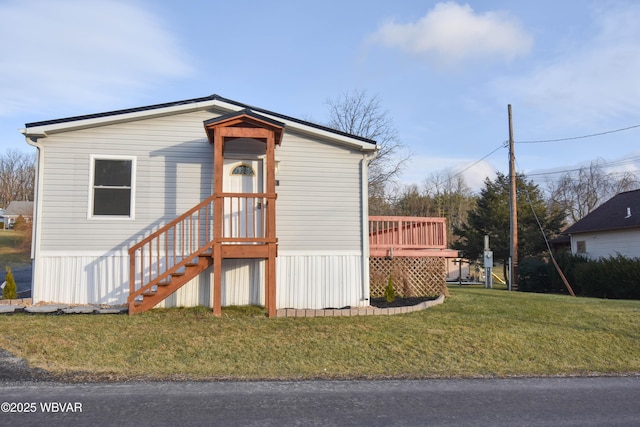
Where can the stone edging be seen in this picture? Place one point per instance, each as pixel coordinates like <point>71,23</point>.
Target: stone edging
<point>18,301</point>
<point>24,305</point>
<point>14,306</point>
<point>359,311</point>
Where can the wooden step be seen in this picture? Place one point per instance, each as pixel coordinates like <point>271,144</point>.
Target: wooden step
<point>161,290</point>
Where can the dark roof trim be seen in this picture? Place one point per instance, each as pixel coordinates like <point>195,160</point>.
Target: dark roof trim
<point>244,112</point>
<point>213,97</point>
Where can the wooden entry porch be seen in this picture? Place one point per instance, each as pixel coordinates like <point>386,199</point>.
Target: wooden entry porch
<point>224,226</point>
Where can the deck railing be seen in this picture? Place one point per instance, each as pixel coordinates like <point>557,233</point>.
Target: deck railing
<point>245,219</point>
<point>400,233</point>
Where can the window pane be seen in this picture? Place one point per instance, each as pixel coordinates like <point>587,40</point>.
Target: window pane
<point>112,201</point>
<point>243,170</point>
<point>112,173</point>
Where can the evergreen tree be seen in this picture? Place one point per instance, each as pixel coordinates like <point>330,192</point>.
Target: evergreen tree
<point>491,217</point>
<point>10,290</point>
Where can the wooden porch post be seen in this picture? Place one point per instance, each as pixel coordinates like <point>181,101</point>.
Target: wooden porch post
<point>270,272</point>
<point>218,215</point>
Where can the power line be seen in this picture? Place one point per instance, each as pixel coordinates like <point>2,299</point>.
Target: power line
<point>578,137</point>
<point>623,162</point>
<point>452,177</point>
<point>503,145</point>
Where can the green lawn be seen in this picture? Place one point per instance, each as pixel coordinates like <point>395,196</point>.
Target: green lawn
<point>10,253</point>
<point>475,333</point>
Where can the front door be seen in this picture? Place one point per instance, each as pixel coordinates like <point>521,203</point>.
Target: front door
<point>243,214</point>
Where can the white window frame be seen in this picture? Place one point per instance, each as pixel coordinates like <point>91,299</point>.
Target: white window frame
<point>92,163</point>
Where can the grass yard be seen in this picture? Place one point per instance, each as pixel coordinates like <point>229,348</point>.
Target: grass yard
<point>10,253</point>
<point>475,333</point>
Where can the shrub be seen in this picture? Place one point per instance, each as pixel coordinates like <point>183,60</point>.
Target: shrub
<point>19,223</point>
<point>23,243</point>
<point>389,293</point>
<point>10,290</point>
<point>614,277</point>
<point>533,275</point>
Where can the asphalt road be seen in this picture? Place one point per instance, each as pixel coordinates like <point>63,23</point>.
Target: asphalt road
<point>593,401</point>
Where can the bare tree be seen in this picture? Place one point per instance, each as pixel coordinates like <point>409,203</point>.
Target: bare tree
<point>362,115</point>
<point>580,192</point>
<point>17,177</point>
<point>452,197</point>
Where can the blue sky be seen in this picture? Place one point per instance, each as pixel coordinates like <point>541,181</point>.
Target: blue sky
<point>445,71</point>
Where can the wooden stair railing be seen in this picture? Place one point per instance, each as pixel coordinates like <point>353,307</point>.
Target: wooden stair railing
<point>170,257</point>
<point>163,262</point>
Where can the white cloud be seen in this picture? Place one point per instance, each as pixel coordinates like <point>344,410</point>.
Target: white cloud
<point>71,52</point>
<point>451,34</point>
<point>474,172</point>
<point>596,79</point>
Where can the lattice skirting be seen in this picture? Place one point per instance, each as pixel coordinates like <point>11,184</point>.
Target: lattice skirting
<point>412,276</point>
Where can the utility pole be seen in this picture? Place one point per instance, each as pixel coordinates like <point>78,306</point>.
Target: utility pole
<point>513,209</point>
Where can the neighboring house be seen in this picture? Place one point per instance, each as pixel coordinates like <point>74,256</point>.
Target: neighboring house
<point>15,210</point>
<point>200,202</point>
<point>611,229</point>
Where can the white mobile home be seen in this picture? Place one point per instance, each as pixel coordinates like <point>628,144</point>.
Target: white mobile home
<point>200,202</point>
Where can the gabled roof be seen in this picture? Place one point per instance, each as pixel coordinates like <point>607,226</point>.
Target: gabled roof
<point>17,208</point>
<point>248,118</point>
<point>619,212</point>
<point>44,128</point>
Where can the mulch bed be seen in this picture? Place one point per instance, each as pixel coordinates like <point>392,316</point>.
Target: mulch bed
<point>381,302</point>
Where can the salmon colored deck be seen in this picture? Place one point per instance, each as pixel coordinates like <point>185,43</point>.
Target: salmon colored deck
<point>391,236</point>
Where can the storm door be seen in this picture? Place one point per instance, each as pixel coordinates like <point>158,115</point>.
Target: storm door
<point>243,209</point>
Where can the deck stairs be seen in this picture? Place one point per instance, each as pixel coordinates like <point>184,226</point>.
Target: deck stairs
<point>163,289</point>
<point>179,251</point>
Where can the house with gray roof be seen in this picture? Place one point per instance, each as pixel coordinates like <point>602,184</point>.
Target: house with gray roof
<point>15,210</point>
<point>611,229</point>
<point>205,201</point>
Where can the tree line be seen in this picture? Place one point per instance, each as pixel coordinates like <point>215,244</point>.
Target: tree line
<point>472,216</point>
<point>542,212</point>
<point>17,177</point>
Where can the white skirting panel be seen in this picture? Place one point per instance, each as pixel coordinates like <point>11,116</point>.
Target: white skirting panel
<point>316,281</point>
<point>81,279</point>
<point>104,279</point>
<point>320,281</point>
<point>242,282</point>
<point>196,292</point>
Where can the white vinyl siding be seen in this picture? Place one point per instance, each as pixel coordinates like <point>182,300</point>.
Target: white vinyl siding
<point>319,201</point>
<point>173,173</point>
<point>604,244</point>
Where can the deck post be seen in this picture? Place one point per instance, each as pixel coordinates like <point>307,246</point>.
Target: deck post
<point>218,221</point>
<point>217,279</point>
<point>270,297</point>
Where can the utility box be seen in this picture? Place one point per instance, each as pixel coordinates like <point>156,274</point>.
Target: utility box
<point>488,259</point>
